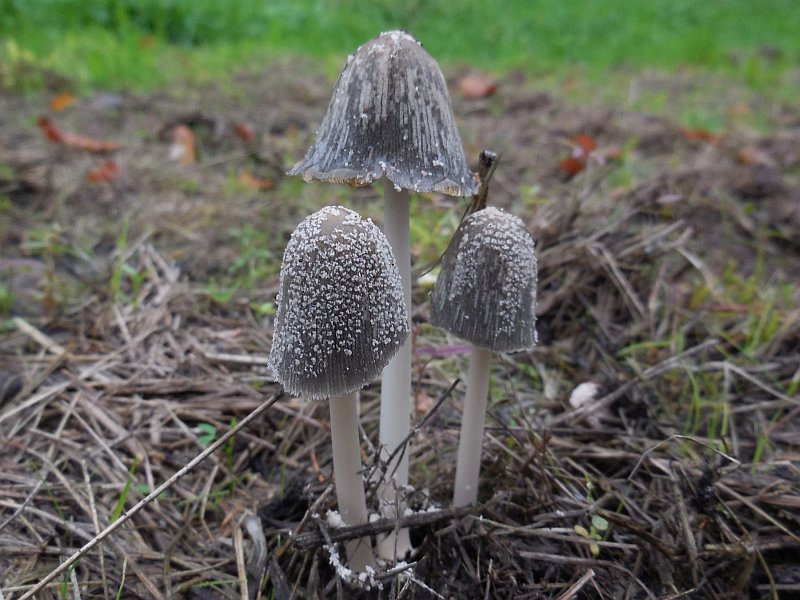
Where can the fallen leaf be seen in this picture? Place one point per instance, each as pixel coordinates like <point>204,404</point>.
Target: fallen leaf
<point>245,131</point>
<point>105,172</point>
<point>50,131</point>
<point>572,166</point>
<point>583,142</point>
<point>62,101</point>
<point>476,85</point>
<point>183,145</point>
<point>753,156</point>
<point>82,142</point>
<point>702,135</point>
<point>248,180</point>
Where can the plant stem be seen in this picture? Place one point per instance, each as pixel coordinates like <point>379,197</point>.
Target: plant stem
<point>347,475</point>
<point>470,442</point>
<point>395,422</point>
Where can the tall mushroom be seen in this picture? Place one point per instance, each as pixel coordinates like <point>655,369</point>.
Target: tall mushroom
<point>485,294</point>
<point>390,117</point>
<point>341,317</point>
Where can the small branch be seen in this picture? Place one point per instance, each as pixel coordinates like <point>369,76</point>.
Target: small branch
<point>573,590</point>
<point>315,539</point>
<point>234,359</point>
<point>126,516</point>
<point>44,340</point>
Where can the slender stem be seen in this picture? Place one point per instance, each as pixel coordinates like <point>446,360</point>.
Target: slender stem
<point>470,442</point>
<point>347,475</point>
<point>149,498</point>
<point>395,422</point>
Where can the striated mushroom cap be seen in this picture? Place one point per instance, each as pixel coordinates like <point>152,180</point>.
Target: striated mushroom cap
<point>486,289</point>
<point>341,314</point>
<point>390,115</point>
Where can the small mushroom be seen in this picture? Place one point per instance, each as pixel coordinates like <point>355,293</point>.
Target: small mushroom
<point>486,295</point>
<point>340,319</point>
<point>390,117</point>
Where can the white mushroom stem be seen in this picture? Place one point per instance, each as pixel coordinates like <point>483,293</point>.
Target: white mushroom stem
<point>395,422</point>
<point>347,475</point>
<point>470,442</point>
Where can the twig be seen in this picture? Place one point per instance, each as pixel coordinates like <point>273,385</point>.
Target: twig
<point>234,359</point>
<point>149,498</point>
<point>314,539</point>
<point>679,436</point>
<point>394,571</point>
<point>280,586</point>
<point>574,560</point>
<point>241,569</point>
<point>576,587</point>
<point>25,503</point>
<point>44,340</point>
<point>756,509</point>
<point>96,523</point>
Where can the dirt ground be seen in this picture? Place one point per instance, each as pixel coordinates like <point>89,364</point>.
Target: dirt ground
<point>137,320</point>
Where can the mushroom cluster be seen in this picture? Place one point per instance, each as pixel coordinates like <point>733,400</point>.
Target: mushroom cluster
<point>345,290</point>
<point>390,118</point>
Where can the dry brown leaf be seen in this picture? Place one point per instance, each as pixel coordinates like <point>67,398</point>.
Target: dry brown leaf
<point>477,85</point>
<point>62,101</point>
<point>703,135</point>
<point>583,143</point>
<point>245,131</point>
<point>752,156</point>
<point>571,166</point>
<point>82,142</point>
<point>105,172</point>
<point>248,180</point>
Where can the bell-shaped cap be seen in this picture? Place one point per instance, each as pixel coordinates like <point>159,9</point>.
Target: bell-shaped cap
<point>390,116</point>
<point>341,314</point>
<point>486,289</point>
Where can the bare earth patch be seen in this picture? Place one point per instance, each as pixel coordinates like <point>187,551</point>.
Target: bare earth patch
<point>136,322</point>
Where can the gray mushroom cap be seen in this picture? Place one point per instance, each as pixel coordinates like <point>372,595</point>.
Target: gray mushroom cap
<point>390,115</point>
<point>341,314</point>
<point>486,289</point>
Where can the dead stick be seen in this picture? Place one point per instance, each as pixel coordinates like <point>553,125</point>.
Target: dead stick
<point>39,337</point>
<point>576,587</point>
<point>62,568</point>
<point>315,539</point>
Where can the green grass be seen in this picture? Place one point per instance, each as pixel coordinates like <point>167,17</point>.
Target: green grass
<point>147,43</point>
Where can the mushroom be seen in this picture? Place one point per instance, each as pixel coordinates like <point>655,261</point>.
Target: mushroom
<point>486,295</point>
<point>390,117</point>
<point>340,318</point>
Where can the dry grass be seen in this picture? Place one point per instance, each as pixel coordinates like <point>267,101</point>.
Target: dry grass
<point>680,479</point>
